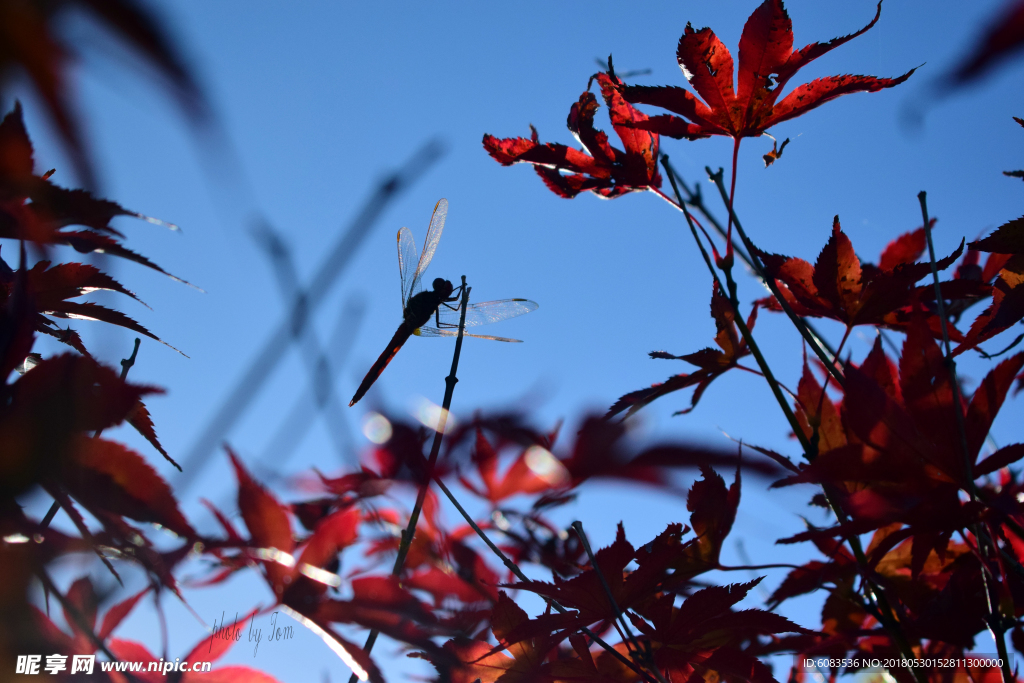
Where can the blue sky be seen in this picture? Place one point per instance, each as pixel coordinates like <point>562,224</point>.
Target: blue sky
<point>320,100</point>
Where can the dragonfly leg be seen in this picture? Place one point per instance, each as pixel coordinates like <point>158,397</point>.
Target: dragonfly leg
<point>456,296</point>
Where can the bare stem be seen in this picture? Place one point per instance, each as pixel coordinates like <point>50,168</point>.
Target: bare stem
<point>625,631</point>
<point>695,200</point>
<point>798,322</point>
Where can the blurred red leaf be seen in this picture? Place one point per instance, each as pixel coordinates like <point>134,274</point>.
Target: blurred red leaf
<point>104,475</point>
<point>269,527</point>
<point>38,47</point>
<point>1004,37</point>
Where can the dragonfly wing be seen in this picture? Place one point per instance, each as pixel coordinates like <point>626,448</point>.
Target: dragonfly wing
<point>434,332</point>
<point>408,257</point>
<point>433,236</point>
<point>487,312</point>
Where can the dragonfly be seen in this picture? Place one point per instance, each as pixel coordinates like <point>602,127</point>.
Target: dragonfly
<point>440,303</point>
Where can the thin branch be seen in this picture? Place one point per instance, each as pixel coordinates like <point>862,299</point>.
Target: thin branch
<point>798,322</point>
<point>435,448</point>
<point>695,199</point>
<point>625,632</point>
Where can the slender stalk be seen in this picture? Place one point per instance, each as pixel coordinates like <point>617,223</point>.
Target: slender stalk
<point>518,573</point>
<point>985,542</point>
<point>948,360</point>
<point>740,322</point>
<point>626,632</point>
<point>732,196</point>
<point>798,322</point>
<point>126,365</point>
<point>410,529</point>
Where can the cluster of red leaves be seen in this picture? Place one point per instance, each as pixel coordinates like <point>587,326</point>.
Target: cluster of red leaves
<point>53,410</point>
<point>767,62</point>
<point>599,168</point>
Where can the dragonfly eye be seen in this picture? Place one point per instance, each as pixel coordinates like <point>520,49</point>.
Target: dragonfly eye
<point>443,286</point>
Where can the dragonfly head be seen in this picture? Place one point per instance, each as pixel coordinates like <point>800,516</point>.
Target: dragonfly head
<point>443,287</point>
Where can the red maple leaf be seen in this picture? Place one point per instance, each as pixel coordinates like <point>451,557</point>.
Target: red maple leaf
<point>712,362</point>
<point>34,209</point>
<point>767,63</point>
<point>1006,245</point>
<point>840,287</point>
<point>599,168</point>
<point>899,458</point>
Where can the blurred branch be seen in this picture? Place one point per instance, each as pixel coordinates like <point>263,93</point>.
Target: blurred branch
<point>252,380</point>
<point>321,395</point>
<point>319,366</point>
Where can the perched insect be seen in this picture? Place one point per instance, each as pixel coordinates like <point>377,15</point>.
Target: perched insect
<point>437,303</point>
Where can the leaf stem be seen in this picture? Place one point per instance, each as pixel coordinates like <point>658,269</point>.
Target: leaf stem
<point>410,529</point>
<point>696,200</point>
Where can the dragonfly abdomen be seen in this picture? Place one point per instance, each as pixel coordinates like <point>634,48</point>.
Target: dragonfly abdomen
<point>402,335</point>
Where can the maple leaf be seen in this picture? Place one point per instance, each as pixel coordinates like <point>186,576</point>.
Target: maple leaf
<point>36,47</point>
<point>664,564</point>
<point>767,62</point>
<point>49,288</point>
<point>1007,307</point>
<point>599,168</point>
<point>702,634</point>
<point>839,287</point>
<point>269,527</point>
<point>34,209</point>
<point>712,362</point>
<point>900,458</point>
<point>51,405</point>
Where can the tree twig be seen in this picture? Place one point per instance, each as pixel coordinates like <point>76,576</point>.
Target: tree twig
<point>410,529</point>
